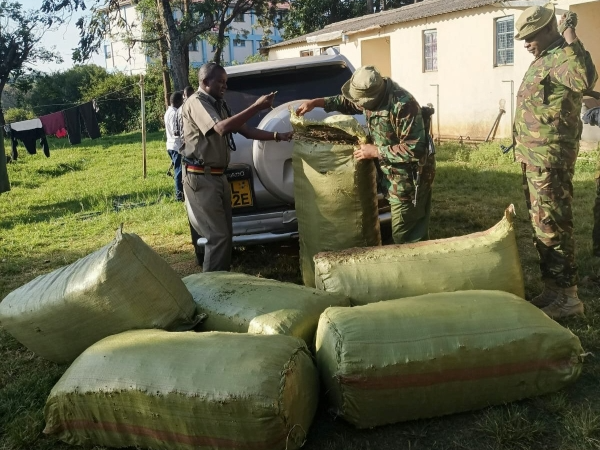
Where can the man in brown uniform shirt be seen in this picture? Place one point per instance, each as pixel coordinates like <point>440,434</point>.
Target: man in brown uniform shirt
<point>207,128</point>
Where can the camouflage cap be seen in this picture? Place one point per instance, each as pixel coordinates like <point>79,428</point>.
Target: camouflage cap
<point>365,86</point>
<point>533,19</point>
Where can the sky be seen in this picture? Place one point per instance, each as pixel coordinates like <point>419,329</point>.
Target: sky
<point>65,38</point>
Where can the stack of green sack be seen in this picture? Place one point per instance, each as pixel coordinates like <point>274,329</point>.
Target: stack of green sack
<point>246,304</point>
<point>486,260</point>
<point>123,286</point>
<point>184,391</point>
<point>335,195</point>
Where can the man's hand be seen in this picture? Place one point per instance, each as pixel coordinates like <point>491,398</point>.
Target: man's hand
<point>265,101</point>
<point>285,136</point>
<point>305,107</point>
<point>566,26</point>
<point>366,151</point>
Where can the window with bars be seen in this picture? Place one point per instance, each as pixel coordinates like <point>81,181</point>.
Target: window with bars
<point>430,51</point>
<point>239,43</point>
<point>193,47</point>
<point>239,18</point>
<point>505,44</point>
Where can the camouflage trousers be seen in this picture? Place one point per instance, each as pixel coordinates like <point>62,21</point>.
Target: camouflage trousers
<point>596,230</point>
<point>549,195</point>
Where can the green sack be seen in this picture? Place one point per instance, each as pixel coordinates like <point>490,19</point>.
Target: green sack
<point>247,304</point>
<point>335,195</point>
<point>487,260</point>
<point>123,286</point>
<point>440,354</point>
<point>161,390</point>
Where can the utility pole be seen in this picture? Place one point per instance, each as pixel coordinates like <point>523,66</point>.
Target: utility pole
<point>143,104</point>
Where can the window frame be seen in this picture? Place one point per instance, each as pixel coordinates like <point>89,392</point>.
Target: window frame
<point>239,42</point>
<point>434,57</point>
<point>498,61</point>
<point>107,51</point>
<point>240,18</point>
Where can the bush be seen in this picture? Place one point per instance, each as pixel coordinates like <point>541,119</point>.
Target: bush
<point>18,114</point>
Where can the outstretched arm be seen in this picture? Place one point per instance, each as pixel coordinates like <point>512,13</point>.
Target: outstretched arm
<point>234,123</point>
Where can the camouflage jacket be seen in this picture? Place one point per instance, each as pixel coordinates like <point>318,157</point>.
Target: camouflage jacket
<point>547,124</point>
<point>397,130</point>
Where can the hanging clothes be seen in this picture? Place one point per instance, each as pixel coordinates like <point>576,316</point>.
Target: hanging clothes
<point>52,123</point>
<point>29,138</point>
<point>72,124</point>
<point>88,114</point>
<point>25,125</point>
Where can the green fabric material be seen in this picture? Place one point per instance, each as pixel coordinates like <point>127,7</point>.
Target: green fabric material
<point>162,390</point>
<point>486,260</point>
<point>440,354</point>
<point>123,286</point>
<point>410,223</point>
<point>4,182</point>
<point>247,304</point>
<point>335,195</point>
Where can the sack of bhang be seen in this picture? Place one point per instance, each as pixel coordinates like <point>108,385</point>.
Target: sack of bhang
<point>247,304</point>
<point>485,260</point>
<point>123,286</point>
<point>440,354</point>
<point>184,391</point>
<point>335,195</point>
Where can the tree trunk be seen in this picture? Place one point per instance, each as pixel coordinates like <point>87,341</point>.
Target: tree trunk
<point>164,64</point>
<point>2,120</point>
<point>4,181</point>
<point>218,57</point>
<point>369,6</point>
<point>177,51</point>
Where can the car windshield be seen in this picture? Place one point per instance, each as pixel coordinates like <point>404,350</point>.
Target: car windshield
<point>299,84</point>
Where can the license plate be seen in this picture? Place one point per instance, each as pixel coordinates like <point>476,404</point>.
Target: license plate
<point>241,194</point>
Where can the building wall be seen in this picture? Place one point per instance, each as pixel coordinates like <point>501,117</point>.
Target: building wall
<point>122,58</point>
<point>470,84</point>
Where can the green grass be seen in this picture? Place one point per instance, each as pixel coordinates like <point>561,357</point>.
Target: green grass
<point>64,207</point>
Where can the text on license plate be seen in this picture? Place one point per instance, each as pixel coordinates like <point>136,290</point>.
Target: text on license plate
<point>241,195</point>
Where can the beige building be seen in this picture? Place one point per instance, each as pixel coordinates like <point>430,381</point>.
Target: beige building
<point>459,55</point>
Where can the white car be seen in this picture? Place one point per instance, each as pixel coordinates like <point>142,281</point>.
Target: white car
<point>260,172</point>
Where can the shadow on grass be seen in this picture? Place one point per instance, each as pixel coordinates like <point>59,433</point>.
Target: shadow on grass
<point>84,207</point>
<point>61,169</point>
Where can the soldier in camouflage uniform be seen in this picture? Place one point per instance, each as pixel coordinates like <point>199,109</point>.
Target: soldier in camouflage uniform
<point>400,144</point>
<point>547,130</point>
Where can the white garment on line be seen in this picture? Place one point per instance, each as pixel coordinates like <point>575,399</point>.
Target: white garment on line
<point>26,125</point>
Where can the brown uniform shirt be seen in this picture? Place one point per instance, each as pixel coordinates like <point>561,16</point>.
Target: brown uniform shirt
<point>200,114</point>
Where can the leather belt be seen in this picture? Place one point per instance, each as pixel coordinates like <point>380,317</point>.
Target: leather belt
<point>191,168</point>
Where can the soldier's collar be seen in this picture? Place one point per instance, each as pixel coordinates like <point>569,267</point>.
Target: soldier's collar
<point>556,44</point>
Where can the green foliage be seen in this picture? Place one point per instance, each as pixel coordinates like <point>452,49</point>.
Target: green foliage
<point>306,16</point>
<point>21,32</point>
<point>17,114</point>
<point>61,90</point>
<point>255,58</point>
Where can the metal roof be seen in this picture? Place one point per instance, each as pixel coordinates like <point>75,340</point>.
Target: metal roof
<point>427,8</point>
